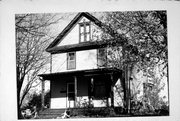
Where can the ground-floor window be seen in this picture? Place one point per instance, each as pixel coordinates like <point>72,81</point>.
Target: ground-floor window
<point>100,89</point>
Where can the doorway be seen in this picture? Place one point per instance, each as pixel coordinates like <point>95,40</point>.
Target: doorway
<point>70,95</point>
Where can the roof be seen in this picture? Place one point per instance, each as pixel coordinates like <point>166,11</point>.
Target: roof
<point>52,47</point>
<point>100,71</point>
<point>77,47</point>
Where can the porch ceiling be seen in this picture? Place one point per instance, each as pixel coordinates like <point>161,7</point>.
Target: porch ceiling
<point>91,72</point>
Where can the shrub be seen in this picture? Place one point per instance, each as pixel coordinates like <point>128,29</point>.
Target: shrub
<point>35,101</point>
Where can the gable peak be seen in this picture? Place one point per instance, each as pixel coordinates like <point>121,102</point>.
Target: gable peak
<point>75,20</point>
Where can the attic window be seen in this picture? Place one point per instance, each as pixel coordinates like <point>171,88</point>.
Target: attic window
<point>84,31</point>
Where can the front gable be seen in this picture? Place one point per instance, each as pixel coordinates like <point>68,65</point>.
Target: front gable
<point>73,35</point>
<point>80,34</point>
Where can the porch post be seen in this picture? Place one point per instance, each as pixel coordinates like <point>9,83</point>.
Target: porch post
<point>127,88</point>
<point>75,91</point>
<point>42,93</point>
<point>112,91</point>
<point>91,90</point>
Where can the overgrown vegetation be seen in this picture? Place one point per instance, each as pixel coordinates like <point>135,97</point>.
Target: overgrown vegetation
<point>35,104</point>
<point>139,45</point>
<point>36,101</point>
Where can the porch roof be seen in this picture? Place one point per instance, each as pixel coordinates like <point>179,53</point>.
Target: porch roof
<point>90,72</point>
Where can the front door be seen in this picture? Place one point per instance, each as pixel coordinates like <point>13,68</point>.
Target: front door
<point>70,95</point>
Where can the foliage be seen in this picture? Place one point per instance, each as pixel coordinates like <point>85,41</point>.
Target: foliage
<point>142,36</point>
<point>36,101</point>
<point>138,38</point>
<point>83,103</point>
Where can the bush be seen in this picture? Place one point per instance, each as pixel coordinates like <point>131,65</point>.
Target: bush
<point>119,110</point>
<point>163,111</point>
<point>35,101</point>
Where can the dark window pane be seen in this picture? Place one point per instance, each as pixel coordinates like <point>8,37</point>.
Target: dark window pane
<point>71,96</point>
<point>71,88</point>
<point>99,89</point>
<point>71,56</point>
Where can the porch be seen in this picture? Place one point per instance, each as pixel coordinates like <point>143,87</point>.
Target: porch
<point>79,89</point>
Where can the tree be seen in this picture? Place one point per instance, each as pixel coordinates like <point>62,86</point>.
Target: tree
<point>142,36</point>
<point>138,38</point>
<point>32,37</point>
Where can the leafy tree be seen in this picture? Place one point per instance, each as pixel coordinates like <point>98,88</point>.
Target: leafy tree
<point>142,36</point>
<point>138,38</point>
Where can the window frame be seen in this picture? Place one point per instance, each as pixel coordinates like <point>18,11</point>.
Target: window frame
<point>68,61</point>
<point>99,84</point>
<point>70,92</point>
<point>84,32</point>
<point>101,59</point>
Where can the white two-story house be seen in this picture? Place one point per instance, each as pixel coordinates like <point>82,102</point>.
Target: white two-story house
<point>78,73</point>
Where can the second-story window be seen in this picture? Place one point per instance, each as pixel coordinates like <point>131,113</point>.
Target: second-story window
<point>84,31</point>
<point>101,57</point>
<point>71,60</point>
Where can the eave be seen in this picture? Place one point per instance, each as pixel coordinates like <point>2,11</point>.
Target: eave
<point>77,47</point>
<point>70,26</point>
<point>90,72</point>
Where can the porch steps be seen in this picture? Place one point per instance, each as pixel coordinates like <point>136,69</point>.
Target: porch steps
<point>56,113</point>
<point>51,113</point>
<point>74,112</point>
